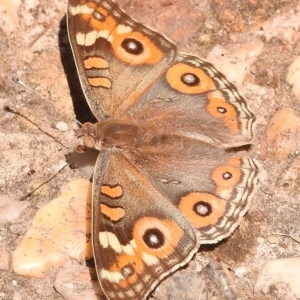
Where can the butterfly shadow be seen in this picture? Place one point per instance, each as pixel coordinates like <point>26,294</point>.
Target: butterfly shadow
<point>82,111</point>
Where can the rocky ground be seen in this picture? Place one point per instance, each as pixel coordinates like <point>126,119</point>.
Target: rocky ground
<point>254,43</point>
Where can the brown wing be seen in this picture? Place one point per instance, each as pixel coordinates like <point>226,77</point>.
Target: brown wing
<point>191,98</point>
<point>116,57</point>
<point>211,188</point>
<point>138,236</point>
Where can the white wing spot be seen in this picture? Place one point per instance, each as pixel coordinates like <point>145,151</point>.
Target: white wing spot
<point>121,29</point>
<point>80,9</point>
<point>108,239</point>
<point>111,276</point>
<point>149,260</point>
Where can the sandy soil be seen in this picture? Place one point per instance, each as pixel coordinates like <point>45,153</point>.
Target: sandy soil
<point>34,46</point>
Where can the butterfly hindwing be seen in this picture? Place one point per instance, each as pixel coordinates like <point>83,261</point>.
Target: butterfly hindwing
<point>138,236</point>
<point>213,194</point>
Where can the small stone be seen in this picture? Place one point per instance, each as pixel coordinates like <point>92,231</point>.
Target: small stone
<point>283,132</point>
<point>293,77</point>
<point>76,282</point>
<point>4,259</point>
<point>17,228</point>
<point>17,296</point>
<point>280,278</point>
<point>284,27</point>
<point>59,231</point>
<point>236,65</point>
<point>260,240</point>
<point>10,209</point>
<point>273,239</point>
<point>183,284</point>
<point>62,126</point>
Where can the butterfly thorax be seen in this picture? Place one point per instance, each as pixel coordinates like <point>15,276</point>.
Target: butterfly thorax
<point>113,133</point>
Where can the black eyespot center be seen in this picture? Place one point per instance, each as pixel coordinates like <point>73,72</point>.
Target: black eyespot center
<point>154,238</point>
<point>202,208</point>
<point>132,46</point>
<point>190,79</point>
<point>222,110</point>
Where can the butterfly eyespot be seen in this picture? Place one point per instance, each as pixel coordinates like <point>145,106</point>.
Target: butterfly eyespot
<point>128,271</point>
<point>132,46</point>
<point>222,110</point>
<point>154,238</point>
<point>190,79</point>
<point>202,208</point>
<point>226,177</point>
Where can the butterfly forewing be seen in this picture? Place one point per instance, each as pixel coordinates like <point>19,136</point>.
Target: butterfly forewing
<point>116,57</point>
<point>191,98</point>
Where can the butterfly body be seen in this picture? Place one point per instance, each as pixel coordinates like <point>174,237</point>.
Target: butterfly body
<point>163,182</point>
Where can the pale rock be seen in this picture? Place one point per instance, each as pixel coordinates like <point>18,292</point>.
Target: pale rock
<point>76,282</point>
<point>17,296</point>
<point>283,132</point>
<point>236,65</point>
<point>59,232</point>
<point>4,259</point>
<point>293,77</point>
<point>10,209</point>
<point>183,284</point>
<point>280,278</point>
<point>284,27</point>
<point>62,126</point>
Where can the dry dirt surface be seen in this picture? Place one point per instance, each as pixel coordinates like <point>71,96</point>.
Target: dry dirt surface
<point>264,42</point>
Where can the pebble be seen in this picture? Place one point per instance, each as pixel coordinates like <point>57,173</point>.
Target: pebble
<point>11,209</point>
<point>236,65</point>
<point>273,239</point>
<point>59,232</point>
<point>74,283</point>
<point>260,240</point>
<point>62,126</point>
<point>4,259</point>
<point>283,27</point>
<point>283,132</point>
<point>17,296</point>
<point>280,278</point>
<point>182,285</point>
<point>293,77</point>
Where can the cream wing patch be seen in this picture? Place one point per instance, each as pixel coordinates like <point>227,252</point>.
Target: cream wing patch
<point>108,239</point>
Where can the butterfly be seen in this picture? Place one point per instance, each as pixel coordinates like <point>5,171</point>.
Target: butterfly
<point>163,182</point>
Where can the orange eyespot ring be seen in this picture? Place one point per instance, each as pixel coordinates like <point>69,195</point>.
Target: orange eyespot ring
<point>202,209</point>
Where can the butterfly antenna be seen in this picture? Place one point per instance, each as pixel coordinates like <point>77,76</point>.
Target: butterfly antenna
<point>42,184</point>
<point>23,84</point>
<point>20,82</point>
